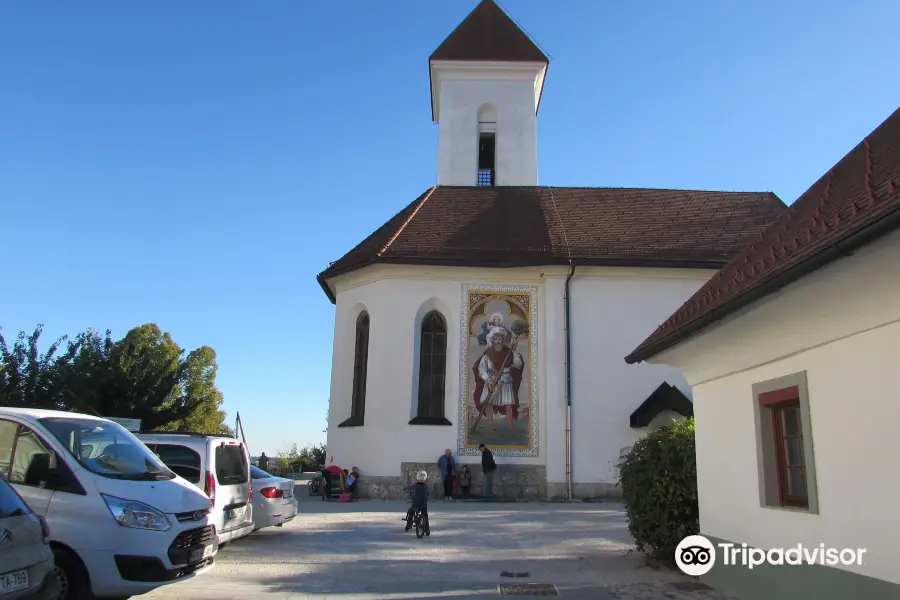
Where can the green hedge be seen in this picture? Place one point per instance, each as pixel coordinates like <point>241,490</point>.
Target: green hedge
<point>659,488</point>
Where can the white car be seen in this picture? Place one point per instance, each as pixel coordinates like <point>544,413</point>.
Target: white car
<point>121,523</point>
<point>217,465</point>
<point>274,503</point>
<point>26,561</point>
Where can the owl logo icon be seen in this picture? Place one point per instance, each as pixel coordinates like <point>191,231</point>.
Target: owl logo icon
<point>695,555</point>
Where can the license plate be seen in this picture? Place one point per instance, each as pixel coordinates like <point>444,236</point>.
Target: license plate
<point>13,581</point>
<point>200,553</point>
<point>288,492</point>
<point>234,513</point>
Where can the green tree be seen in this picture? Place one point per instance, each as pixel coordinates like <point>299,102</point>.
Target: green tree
<point>145,375</point>
<point>198,388</point>
<point>28,377</point>
<point>313,453</point>
<point>289,457</point>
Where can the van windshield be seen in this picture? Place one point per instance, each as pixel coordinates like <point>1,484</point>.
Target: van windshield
<point>107,449</point>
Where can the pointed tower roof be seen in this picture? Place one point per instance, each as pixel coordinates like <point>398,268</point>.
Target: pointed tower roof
<point>489,34</point>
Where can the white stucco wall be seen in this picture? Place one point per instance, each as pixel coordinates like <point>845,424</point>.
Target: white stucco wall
<point>397,298</point>
<point>611,310</point>
<point>841,325</point>
<point>510,90</point>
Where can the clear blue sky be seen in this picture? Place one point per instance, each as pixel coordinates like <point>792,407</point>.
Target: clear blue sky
<point>195,164</point>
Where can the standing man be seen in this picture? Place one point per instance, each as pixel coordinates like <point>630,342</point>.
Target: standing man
<point>263,462</point>
<point>488,466</point>
<point>447,466</point>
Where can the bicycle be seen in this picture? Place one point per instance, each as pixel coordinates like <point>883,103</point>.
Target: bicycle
<point>418,522</point>
<point>315,484</point>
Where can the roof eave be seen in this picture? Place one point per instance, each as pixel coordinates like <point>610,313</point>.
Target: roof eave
<point>845,247</point>
<point>323,282</point>
<point>537,107</point>
<point>542,261</point>
<point>431,88</point>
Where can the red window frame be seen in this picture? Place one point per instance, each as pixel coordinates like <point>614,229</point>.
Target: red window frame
<point>780,403</point>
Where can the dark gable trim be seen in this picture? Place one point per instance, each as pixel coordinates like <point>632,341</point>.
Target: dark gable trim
<point>665,397</point>
<point>323,283</point>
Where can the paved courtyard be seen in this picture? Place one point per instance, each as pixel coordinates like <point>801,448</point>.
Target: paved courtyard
<point>360,551</point>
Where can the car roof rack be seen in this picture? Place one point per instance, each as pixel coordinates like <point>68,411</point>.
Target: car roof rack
<point>188,433</point>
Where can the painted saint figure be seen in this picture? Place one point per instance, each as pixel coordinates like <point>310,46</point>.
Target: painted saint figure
<point>499,367</point>
<point>495,321</point>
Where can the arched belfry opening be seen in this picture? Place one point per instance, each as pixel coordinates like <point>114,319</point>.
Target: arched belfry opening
<point>487,67</point>
<point>487,145</point>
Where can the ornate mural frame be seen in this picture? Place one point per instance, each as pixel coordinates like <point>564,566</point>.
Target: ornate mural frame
<point>464,367</point>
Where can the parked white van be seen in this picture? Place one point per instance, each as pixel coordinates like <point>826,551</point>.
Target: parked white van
<point>121,522</point>
<point>218,465</point>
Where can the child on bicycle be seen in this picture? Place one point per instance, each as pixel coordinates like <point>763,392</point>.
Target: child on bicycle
<point>418,491</point>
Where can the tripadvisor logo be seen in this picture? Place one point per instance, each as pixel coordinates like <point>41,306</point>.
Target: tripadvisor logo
<point>695,555</point>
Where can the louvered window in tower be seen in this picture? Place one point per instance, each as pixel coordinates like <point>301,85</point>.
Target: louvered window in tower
<point>486,154</point>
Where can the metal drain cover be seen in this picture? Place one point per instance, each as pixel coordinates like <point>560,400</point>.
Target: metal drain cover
<point>528,589</point>
<point>518,574</point>
<point>690,586</point>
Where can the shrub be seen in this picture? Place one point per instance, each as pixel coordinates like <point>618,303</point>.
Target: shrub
<point>659,488</point>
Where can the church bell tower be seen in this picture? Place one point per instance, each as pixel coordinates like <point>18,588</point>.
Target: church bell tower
<point>486,84</point>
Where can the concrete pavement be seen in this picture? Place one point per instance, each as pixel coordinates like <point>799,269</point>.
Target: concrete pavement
<point>359,550</point>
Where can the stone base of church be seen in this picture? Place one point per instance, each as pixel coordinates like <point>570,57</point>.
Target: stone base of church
<point>511,482</point>
<point>585,491</point>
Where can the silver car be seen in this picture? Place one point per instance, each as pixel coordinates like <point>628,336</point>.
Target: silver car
<point>26,561</point>
<point>274,503</point>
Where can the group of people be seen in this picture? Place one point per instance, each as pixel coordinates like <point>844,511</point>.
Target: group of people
<point>347,480</point>
<point>450,470</point>
<point>453,473</point>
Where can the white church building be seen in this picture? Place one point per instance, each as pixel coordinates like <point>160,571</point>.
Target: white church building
<point>494,310</point>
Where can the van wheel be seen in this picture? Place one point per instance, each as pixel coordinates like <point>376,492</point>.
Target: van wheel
<point>222,545</point>
<point>70,575</point>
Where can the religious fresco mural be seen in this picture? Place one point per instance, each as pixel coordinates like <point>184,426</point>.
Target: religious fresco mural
<point>498,371</point>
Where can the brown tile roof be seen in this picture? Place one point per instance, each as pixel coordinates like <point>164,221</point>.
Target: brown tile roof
<point>526,226</point>
<point>488,33</point>
<point>854,202</point>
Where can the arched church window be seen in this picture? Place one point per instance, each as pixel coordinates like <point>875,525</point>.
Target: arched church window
<point>360,364</point>
<point>432,365</point>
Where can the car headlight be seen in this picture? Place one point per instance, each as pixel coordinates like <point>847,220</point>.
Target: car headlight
<point>137,515</point>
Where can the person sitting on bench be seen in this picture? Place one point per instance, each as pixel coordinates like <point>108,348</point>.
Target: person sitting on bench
<point>348,482</point>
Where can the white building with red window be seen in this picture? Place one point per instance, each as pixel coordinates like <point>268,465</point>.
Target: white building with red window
<point>792,352</point>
